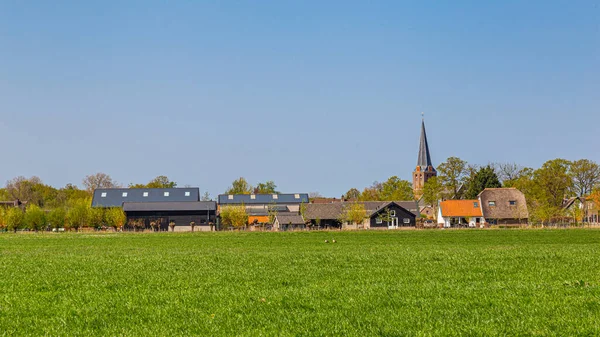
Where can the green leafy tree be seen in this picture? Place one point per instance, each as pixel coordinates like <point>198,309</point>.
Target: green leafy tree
<point>352,194</point>
<point>268,187</point>
<point>35,218</point>
<point>2,219</point>
<point>372,193</point>
<point>14,218</point>
<point>78,215</point>
<point>433,191</point>
<point>585,174</point>
<point>396,189</point>
<point>234,216</point>
<point>95,217</point>
<point>453,174</point>
<point>115,217</point>
<point>161,182</point>
<point>483,178</point>
<point>354,213</point>
<point>552,182</point>
<point>239,186</point>
<point>57,217</point>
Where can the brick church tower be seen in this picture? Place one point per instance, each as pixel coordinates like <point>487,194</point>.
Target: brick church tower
<point>425,169</point>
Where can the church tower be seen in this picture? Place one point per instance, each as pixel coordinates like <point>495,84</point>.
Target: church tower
<point>425,169</point>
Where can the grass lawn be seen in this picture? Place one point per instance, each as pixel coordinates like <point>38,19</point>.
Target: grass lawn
<point>461,282</point>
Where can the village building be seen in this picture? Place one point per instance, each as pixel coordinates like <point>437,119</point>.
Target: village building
<point>460,213</point>
<point>504,206</point>
<point>260,206</point>
<point>161,209</point>
<point>379,215</point>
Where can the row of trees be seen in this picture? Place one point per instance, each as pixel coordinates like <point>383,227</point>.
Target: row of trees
<point>79,215</point>
<point>241,186</point>
<point>35,192</point>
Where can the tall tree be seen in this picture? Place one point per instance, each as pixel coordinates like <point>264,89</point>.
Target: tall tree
<point>483,178</point>
<point>553,182</point>
<point>507,171</point>
<point>25,189</point>
<point>352,194</point>
<point>396,189</point>
<point>35,218</point>
<point>585,175</point>
<point>267,187</point>
<point>372,193</point>
<point>161,182</point>
<point>452,174</point>
<point>205,196</point>
<point>98,180</point>
<point>433,191</point>
<point>239,186</point>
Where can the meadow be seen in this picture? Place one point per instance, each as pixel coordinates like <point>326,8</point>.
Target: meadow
<point>389,283</point>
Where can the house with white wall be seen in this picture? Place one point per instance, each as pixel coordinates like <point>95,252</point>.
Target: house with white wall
<point>460,213</point>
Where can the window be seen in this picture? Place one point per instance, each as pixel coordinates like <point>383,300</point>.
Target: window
<point>145,194</point>
<point>492,203</point>
<point>230,197</point>
<point>379,220</point>
<point>512,202</point>
<point>476,204</point>
<point>392,213</point>
<point>275,196</point>
<point>124,194</point>
<point>406,220</point>
<point>187,194</point>
<point>297,196</point>
<point>103,195</point>
<point>252,196</point>
<point>166,194</point>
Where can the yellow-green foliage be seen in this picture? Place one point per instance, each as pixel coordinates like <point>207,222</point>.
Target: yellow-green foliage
<point>234,216</point>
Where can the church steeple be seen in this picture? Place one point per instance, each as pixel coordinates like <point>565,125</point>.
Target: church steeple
<point>424,160</point>
<point>424,169</point>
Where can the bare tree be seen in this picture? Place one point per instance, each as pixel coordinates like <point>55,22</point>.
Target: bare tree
<point>98,180</point>
<point>508,171</point>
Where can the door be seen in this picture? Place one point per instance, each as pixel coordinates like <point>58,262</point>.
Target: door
<point>393,224</point>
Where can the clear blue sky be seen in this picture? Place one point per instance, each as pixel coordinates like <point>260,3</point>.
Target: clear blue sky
<point>317,96</point>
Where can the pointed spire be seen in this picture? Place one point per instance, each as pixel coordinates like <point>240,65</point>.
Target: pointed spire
<point>424,160</point>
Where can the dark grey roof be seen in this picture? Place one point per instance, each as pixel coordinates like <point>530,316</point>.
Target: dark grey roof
<point>290,218</point>
<point>424,159</point>
<point>114,197</point>
<point>334,210</point>
<point>290,198</point>
<point>170,206</point>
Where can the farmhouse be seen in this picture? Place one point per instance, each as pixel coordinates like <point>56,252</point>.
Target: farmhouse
<point>173,209</point>
<point>379,215</point>
<point>504,206</point>
<point>258,206</point>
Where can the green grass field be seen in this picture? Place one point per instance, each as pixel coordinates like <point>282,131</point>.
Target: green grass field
<point>467,282</point>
